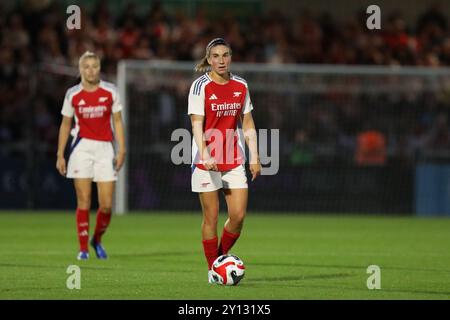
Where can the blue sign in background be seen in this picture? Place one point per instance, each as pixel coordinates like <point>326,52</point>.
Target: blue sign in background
<point>432,192</point>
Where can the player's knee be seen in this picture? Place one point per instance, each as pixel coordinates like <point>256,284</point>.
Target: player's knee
<point>210,210</point>
<point>211,218</point>
<point>105,207</point>
<point>83,202</point>
<point>83,195</point>
<point>237,217</point>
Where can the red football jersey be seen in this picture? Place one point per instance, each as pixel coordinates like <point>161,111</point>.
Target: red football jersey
<point>92,110</point>
<point>222,106</point>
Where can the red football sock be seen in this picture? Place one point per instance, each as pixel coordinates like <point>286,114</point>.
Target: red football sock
<point>210,249</point>
<point>103,220</point>
<point>82,217</point>
<point>227,241</point>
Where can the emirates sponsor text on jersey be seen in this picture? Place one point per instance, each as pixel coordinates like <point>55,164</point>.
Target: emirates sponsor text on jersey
<point>92,111</point>
<point>226,109</point>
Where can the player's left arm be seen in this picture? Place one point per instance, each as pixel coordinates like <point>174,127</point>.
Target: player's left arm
<point>120,138</point>
<point>251,139</point>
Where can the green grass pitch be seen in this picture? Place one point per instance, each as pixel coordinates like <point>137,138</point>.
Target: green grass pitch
<point>159,256</point>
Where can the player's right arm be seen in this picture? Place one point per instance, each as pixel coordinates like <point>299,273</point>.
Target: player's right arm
<point>64,132</point>
<point>197,130</point>
<point>196,110</point>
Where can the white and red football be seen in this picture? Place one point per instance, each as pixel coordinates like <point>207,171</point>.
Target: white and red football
<point>228,270</point>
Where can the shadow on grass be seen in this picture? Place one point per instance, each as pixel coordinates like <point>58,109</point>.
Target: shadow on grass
<point>358,267</point>
<point>154,254</point>
<point>33,266</point>
<point>300,278</point>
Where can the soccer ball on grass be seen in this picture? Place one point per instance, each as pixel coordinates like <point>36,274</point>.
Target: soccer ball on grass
<point>228,270</point>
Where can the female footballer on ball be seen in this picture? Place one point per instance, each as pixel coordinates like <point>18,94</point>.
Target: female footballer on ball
<point>92,103</point>
<point>218,100</point>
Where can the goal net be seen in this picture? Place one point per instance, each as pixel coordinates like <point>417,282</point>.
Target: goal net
<point>350,137</point>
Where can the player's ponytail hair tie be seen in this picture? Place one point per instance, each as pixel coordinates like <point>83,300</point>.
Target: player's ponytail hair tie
<point>203,65</point>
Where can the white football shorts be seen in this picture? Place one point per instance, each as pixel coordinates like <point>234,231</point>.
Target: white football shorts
<point>92,159</point>
<point>207,181</point>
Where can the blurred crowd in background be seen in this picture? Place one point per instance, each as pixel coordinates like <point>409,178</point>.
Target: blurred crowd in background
<point>29,38</point>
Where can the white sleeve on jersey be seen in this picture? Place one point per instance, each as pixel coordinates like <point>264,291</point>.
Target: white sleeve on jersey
<point>67,109</point>
<point>248,106</point>
<point>117,104</point>
<point>196,103</point>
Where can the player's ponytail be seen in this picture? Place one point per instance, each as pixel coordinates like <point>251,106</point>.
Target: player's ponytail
<point>203,65</point>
